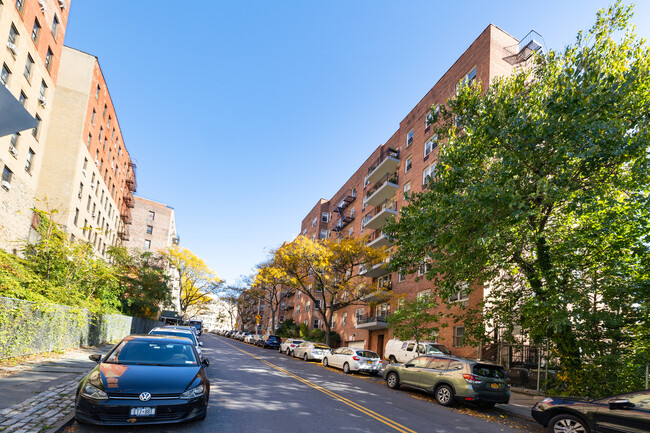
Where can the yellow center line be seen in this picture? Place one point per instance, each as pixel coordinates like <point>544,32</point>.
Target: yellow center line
<point>332,394</point>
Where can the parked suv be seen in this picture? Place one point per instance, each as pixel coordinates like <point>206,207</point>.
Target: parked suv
<point>451,378</point>
<point>271,341</point>
<point>289,345</point>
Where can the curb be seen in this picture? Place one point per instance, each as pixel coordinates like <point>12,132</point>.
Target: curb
<point>61,425</point>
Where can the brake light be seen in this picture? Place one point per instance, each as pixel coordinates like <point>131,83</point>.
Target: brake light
<point>470,378</point>
<point>292,345</point>
<point>356,358</point>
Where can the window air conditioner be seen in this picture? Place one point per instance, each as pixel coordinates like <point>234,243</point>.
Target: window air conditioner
<point>6,185</point>
<point>42,100</point>
<point>43,5</point>
<point>62,4</point>
<point>83,171</point>
<point>13,150</point>
<point>92,186</point>
<point>97,163</point>
<point>94,215</point>
<point>13,48</point>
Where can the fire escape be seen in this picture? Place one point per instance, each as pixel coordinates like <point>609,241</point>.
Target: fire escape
<point>343,204</point>
<point>129,202</point>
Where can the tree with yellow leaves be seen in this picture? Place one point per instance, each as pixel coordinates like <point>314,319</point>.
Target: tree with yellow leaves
<point>270,282</point>
<point>197,281</point>
<point>327,272</point>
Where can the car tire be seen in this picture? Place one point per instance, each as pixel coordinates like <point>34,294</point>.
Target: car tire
<point>346,368</point>
<point>566,422</point>
<point>305,357</point>
<point>392,359</point>
<point>326,363</point>
<point>444,395</point>
<point>392,380</point>
<point>280,349</point>
<point>290,352</point>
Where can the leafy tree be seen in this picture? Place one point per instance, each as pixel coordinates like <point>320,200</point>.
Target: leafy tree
<point>327,272</point>
<point>541,191</point>
<point>145,286</point>
<point>271,289</point>
<point>197,281</point>
<point>414,319</point>
<point>242,302</point>
<point>288,329</point>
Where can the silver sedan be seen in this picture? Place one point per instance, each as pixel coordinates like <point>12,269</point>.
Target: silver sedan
<point>308,351</point>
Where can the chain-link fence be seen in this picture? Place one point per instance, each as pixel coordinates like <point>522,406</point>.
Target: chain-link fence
<point>29,327</point>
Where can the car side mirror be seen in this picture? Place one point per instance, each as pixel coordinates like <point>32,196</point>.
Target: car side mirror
<point>201,343</point>
<point>205,362</point>
<point>409,365</point>
<point>95,357</point>
<point>621,403</point>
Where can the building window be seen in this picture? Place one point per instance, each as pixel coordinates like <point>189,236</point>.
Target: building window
<point>90,137</point>
<point>323,234</point>
<point>408,164</point>
<point>36,31</point>
<point>81,189</point>
<point>324,217</point>
<point>428,174</point>
<point>29,67</point>
<point>147,244</point>
<point>459,331</point>
<point>36,131</point>
<point>307,305</point>
<point>462,295</point>
<point>400,277</point>
<point>430,145</point>
<point>313,223</point>
<point>149,230</point>
<point>407,189</point>
<point>55,27</point>
<point>48,59</point>
<point>76,217</point>
<point>13,36</point>
<point>469,79</point>
<point>20,4</point>
<point>97,92</point>
<point>13,143</point>
<point>421,294</point>
<point>43,91</point>
<point>409,138</point>
<point>22,98</point>
<point>152,215</point>
<point>5,74</point>
<point>92,117</point>
<point>101,133</point>
<point>316,323</point>
<point>104,112</point>
<point>7,174</point>
<point>345,319</point>
<point>317,303</point>
<point>358,314</point>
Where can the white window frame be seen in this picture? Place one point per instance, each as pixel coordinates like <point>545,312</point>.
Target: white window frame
<point>428,172</point>
<point>408,164</point>
<point>431,144</point>
<point>409,138</point>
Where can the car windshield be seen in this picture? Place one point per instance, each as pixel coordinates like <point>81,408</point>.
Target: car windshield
<point>274,338</point>
<point>367,354</point>
<point>436,350</point>
<point>320,346</point>
<point>175,334</point>
<point>491,371</point>
<point>135,352</point>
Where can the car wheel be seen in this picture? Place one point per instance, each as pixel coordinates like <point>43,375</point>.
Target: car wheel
<point>346,368</point>
<point>567,423</point>
<point>289,352</point>
<point>325,362</point>
<point>445,395</point>
<point>305,357</point>
<point>280,349</point>
<point>392,359</point>
<point>392,381</point>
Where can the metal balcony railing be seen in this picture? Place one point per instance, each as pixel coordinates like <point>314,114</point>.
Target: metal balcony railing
<point>388,178</point>
<point>390,152</point>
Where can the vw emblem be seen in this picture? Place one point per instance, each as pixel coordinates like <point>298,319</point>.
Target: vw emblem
<point>145,396</point>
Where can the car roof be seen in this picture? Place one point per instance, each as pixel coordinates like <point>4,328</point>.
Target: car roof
<point>158,339</point>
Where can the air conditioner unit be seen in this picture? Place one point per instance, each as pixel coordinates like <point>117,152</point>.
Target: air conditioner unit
<point>97,163</point>
<point>13,150</point>
<point>94,215</point>
<point>62,4</point>
<point>13,48</point>
<point>42,100</point>
<point>43,5</point>
<point>6,185</point>
<point>92,186</point>
<point>83,171</point>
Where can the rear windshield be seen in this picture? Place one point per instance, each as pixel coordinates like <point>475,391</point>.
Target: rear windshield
<point>320,346</point>
<point>367,354</point>
<point>176,334</point>
<point>274,338</point>
<point>492,371</point>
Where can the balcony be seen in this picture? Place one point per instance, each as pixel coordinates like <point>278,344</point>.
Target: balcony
<point>376,219</point>
<point>387,163</point>
<point>382,294</point>
<point>371,323</point>
<point>176,240</point>
<point>124,234</point>
<point>383,190</point>
<point>126,217</point>
<point>378,239</point>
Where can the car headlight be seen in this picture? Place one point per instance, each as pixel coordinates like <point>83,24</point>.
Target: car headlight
<point>197,391</point>
<point>93,392</point>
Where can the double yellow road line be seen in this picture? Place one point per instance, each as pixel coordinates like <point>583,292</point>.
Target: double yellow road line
<point>356,406</point>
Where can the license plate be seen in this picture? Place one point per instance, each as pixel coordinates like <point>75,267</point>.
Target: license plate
<point>368,362</point>
<point>143,411</point>
<point>494,385</point>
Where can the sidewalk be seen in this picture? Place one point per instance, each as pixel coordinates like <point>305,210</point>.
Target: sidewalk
<point>39,397</point>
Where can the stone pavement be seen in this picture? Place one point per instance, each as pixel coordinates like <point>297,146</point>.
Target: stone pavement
<point>39,397</point>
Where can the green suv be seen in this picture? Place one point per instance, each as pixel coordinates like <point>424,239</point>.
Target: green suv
<point>452,378</point>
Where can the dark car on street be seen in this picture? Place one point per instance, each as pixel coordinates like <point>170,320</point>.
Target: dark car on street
<point>145,379</point>
<point>621,413</point>
<point>270,341</point>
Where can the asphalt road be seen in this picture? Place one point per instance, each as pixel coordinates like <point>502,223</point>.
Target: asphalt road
<point>261,390</point>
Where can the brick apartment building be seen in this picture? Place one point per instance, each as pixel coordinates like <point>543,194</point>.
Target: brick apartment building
<point>32,33</point>
<point>87,173</point>
<point>376,191</point>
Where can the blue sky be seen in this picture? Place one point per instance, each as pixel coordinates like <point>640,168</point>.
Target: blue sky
<point>243,114</point>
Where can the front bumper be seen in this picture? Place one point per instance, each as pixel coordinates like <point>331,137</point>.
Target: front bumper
<point>115,411</point>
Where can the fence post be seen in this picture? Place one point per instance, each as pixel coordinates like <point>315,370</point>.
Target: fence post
<point>539,368</point>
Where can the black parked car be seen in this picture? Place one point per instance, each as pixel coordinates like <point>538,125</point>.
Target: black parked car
<point>145,379</point>
<point>622,413</point>
<point>272,341</point>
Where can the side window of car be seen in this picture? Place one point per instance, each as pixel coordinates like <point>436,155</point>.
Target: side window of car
<point>439,363</point>
<point>641,400</point>
<point>422,361</point>
<point>339,351</point>
<point>421,349</point>
<point>410,346</point>
<point>455,365</point>
<point>349,352</point>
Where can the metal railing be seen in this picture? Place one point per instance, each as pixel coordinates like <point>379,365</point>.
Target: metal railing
<point>390,177</point>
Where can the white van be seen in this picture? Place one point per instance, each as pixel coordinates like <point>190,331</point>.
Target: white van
<point>403,351</point>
